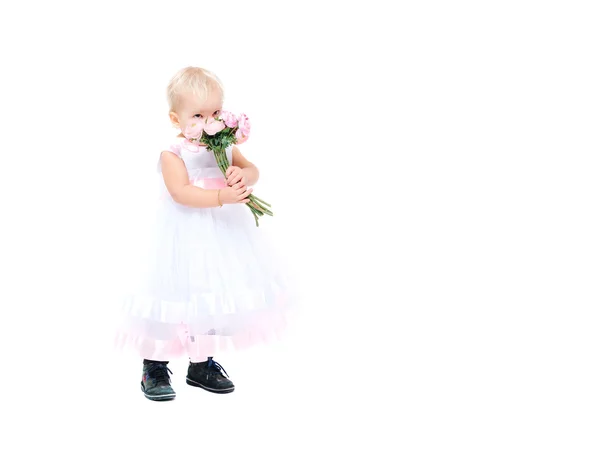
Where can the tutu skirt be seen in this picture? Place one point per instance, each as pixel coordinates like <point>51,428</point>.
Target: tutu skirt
<point>213,282</point>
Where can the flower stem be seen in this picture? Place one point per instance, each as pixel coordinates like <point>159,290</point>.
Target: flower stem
<point>261,201</point>
<point>257,206</point>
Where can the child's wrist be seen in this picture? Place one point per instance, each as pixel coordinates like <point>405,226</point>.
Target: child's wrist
<point>251,175</point>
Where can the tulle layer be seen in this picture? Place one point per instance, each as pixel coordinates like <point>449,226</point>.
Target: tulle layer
<point>216,250</point>
<point>218,310</point>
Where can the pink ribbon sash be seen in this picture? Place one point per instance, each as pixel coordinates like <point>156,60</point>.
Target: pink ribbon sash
<point>210,183</point>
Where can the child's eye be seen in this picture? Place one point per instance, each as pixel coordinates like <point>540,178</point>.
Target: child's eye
<point>198,115</point>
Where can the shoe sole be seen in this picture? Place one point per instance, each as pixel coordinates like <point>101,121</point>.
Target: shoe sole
<point>166,397</point>
<point>197,384</point>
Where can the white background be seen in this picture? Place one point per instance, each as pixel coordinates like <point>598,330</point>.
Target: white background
<point>434,173</point>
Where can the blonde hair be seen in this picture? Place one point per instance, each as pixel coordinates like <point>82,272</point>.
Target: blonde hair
<point>198,81</point>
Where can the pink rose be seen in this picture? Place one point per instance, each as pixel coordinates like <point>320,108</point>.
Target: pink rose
<point>243,129</point>
<point>213,127</point>
<point>239,138</point>
<point>194,130</point>
<point>244,125</point>
<point>229,118</point>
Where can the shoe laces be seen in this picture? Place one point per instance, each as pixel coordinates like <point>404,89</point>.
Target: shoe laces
<point>160,373</point>
<point>215,368</point>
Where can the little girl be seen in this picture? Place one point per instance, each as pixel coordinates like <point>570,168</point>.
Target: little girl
<point>213,283</point>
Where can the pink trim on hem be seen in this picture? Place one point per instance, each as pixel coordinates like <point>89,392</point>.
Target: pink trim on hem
<point>198,346</point>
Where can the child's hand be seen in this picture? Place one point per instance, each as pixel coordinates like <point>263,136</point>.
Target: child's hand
<point>236,194</point>
<point>235,175</point>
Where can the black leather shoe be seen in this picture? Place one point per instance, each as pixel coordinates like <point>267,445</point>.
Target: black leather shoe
<point>156,382</point>
<point>209,376</point>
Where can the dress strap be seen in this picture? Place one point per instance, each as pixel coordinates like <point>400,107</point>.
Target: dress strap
<point>174,147</point>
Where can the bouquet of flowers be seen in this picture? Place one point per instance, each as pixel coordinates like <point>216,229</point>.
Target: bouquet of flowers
<point>220,133</point>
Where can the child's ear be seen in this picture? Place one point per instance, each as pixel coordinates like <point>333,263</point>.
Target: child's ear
<point>174,119</point>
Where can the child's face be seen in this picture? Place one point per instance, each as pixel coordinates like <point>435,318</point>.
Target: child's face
<point>191,109</point>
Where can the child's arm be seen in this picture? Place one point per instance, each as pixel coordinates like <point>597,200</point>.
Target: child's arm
<point>183,192</point>
<point>250,171</point>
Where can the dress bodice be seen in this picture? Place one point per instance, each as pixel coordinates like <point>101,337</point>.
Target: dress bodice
<point>199,161</point>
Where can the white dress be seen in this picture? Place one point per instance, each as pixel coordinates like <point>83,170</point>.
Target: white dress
<point>213,283</point>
